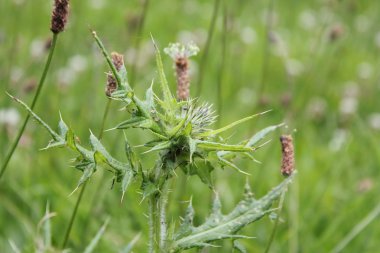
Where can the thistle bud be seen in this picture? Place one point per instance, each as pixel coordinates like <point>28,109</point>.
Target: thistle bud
<point>111,84</point>
<point>287,164</point>
<point>118,61</point>
<point>59,16</point>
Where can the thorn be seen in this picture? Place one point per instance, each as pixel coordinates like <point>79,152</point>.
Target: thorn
<point>107,130</point>
<point>122,197</point>
<point>73,191</point>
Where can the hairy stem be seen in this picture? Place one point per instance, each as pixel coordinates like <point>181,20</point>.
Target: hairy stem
<point>154,218</point>
<point>74,213</point>
<point>163,200</point>
<point>36,96</point>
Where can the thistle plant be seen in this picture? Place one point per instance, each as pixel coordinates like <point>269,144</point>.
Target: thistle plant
<point>183,139</point>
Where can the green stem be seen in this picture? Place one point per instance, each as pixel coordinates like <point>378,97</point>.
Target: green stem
<point>266,49</point>
<point>154,232</point>
<point>275,223</point>
<point>151,222</point>
<point>202,63</point>
<point>138,41</point>
<point>36,96</point>
<point>74,213</point>
<point>162,203</point>
<point>222,63</point>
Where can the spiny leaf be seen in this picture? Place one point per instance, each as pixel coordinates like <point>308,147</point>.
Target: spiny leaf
<point>135,122</point>
<point>203,170</point>
<point>105,157</point>
<point>160,146</point>
<point>87,173</point>
<point>53,134</point>
<point>70,140</point>
<point>127,179</point>
<point>90,248</point>
<point>261,134</point>
<point>230,164</point>
<point>239,247</point>
<point>149,98</point>
<point>220,130</point>
<point>192,147</point>
<point>208,145</point>
<point>167,95</point>
<point>62,127</point>
<point>246,212</point>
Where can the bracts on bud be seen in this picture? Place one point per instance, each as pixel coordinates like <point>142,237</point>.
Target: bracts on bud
<point>59,16</point>
<point>118,61</point>
<point>287,164</point>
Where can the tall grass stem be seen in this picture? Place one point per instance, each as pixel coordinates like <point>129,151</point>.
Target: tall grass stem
<point>36,96</point>
<point>210,33</point>
<point>266,49</point>
<point>222,63</point>
<point>271,238</point>
<point>137,41</point>
<point>357,229</point>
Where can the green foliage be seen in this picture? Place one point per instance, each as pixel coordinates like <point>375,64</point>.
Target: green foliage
<point>183,139</point>
<point>218,226</point>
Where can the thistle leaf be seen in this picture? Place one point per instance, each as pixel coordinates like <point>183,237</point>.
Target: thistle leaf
<point>70,140</point>
<point>87,173</point>
<point>160,146</point>
<point>215,146</point>
<point>261,134</point>
<point>53,134</point>
<point>167,95</point>
<point>239,247</point>
<point>203,170</point>
<point>220,130</point>
<point>246,212</point>
<point>62,127</point>
<point>127,179</point>
<point>135,122</point>
<point>149,98</point>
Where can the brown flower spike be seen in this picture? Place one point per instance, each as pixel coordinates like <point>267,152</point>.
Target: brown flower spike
<point>59,16</point>
<point>287,164</point>
<point>180,54</point>
<point>183,81</point>
<point>118,61</point>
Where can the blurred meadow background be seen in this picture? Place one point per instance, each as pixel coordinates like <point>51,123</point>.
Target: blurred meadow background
<point>315,64</point>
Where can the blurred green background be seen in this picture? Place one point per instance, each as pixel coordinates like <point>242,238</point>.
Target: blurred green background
<point>314,63</point>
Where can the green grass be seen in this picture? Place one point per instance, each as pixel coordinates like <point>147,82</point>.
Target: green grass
<point>322,206</point>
